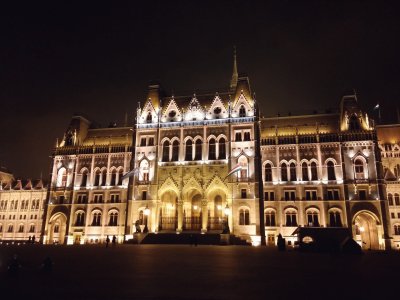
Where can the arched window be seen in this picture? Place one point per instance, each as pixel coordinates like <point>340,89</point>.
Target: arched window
<point>331,170</point>
<point>284,172</point>
<point>359,169</point>
<point>314,171</point>
<point>268,172</point>
<point>113,221</point>
<point>120,175</point>
<point>149,117</point>
<point>165,151</point>
<point>198,152</point>
<point>397,229</point>
<point>242,111</point>
<point>312,219</point>
<point>242,161</point>
<point>175,151</point>
<point>62,177</point>
<point>97,178</point>
<point>396,199</point>
<point>189,150</point>
<point>113,177</point>
<point>293,172</point>
<point>141,218</point>
<point>1,227</point>
<point>390,199</point>
<point>221,148</point>
<point>246,136</point>
<point>291,218</point>
<point>144,170</point>
<point>244,216</point>
<point>270,218</point>
<point>354,124</point>
<point>80,219</point>
<point>335,219</point>
<point>103,177</point>
<point>96,221</point>
<point>211,149</point>
<point>304,171</point>
<point>84,178</point>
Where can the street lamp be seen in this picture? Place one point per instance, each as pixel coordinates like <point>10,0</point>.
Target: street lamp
<point>146,213</point>
<point>227,211</point>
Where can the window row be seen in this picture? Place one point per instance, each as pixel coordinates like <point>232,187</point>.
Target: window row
<point>193,150</point>
<point>21,217</point>
<point>96,219</point>
<point>97,198</point>
<point>312,218</point>
<point>393,200</point>
<point>331,194</point>
<point>21,228</point>
<point>25,205</point>
<point>100,177</point>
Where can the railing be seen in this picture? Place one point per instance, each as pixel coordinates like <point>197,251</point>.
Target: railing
<point>168,223</point>
<point>215,223</point>
<point>192,223</point>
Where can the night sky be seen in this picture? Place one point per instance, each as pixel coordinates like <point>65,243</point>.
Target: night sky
<point>57,59</point>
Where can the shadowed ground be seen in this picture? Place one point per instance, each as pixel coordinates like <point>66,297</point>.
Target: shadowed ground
<point>204,272</point>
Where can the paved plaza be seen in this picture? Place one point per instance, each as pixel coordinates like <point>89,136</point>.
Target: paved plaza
<point>204,272</point>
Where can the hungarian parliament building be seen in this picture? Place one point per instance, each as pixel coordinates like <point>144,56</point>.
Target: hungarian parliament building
<point>210,163</point>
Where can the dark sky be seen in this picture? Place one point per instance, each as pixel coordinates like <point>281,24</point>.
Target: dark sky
<point>98,59</point>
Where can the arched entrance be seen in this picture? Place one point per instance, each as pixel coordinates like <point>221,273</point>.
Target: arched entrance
<point>192,214</point>
<point>168,218</point>
<point>57,228</point>
<point>216,215</point>
<point>365,230</point>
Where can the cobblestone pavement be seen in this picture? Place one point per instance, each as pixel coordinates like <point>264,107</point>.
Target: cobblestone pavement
<point>204,272</point>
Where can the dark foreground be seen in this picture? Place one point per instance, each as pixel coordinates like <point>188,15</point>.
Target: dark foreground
<point>204,272</point>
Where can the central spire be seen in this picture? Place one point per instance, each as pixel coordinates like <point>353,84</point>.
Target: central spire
<point>234,79</point>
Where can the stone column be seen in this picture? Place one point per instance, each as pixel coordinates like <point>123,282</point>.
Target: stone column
<point>180,215</point>
<point>204,216</point>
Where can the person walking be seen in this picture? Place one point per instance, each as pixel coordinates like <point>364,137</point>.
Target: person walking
<point>107,241</point>
<point>114,240</point>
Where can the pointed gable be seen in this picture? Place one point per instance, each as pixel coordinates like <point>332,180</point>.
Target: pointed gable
<point>172,113</point>
<point>217,110</point>
<point>148,114</point>
<point>28,185</point>
<point>194,111</point>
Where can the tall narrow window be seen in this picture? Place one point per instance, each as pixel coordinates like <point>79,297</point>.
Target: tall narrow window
<point>103,177</point>
<point>314,171</point>
<point>242,111</point>
<point>246,136</point>
<point>188,150</point>
<point>312,219</point>
<point>268,172</point>
<point>62,177</point>
<point>120,175</point>
<point>238,136</point>
<point>175,151</point>
<point>293,172</point>
<point>165,151</point>
<point>113,221</point>
<point>354,124</point>
<point>284,172</point>
<point>334,219</point>
<point>221,148</point>
<point>199,152</point>
<point>149,117</point>
<point>304,171</point>
<point>113,178</point>
<point>291,218</point>
<point>84,178</point>
<point>270,218</point>
<point>211,149</point>
<point>331,170</point>
<point>244,217</point>
<point>97,178</point>
<point>390,199</point>
<point>359,169</point>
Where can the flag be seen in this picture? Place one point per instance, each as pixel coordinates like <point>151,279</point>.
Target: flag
<point>133,172</point>
<point>235,169</point>
<point>376,107</point>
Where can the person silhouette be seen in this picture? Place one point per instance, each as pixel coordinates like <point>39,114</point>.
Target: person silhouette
<point>107,241</point>
<point>114,240</point>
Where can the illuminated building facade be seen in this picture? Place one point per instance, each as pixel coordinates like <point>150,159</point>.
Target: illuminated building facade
<point>21,210</point>
<point>319,170</point>
<point>87,195</point>
<point>389,140</point>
